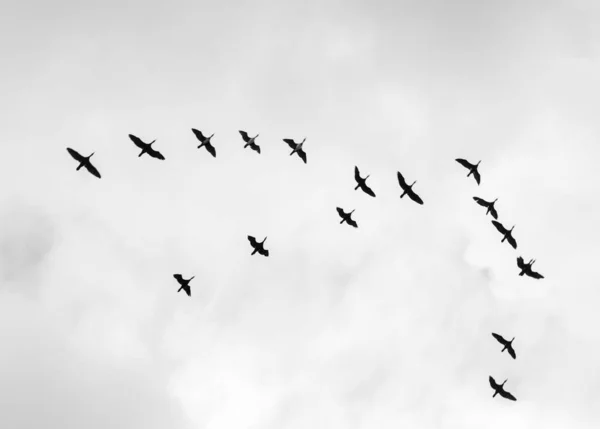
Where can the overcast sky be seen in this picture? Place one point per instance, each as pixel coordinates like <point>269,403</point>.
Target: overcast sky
<point>384,326</point>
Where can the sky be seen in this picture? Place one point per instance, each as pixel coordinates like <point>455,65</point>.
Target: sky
<point>387,325</point>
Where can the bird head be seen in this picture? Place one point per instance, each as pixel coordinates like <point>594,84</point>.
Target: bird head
<point>191,278</point>
<point>495,201</point>
<point>413,184</point>
<point>91,155</point>
<point>478,163</point>
<point>367,177</point>
<point>303,140</point>
<point>532,262</point>
<point>504,382</point>
<point>211,136</point>
<point>152,141</point>
<point>264,240</point>
<point>512,228</point>
<point>351,212</point>
<point>256,135</point>
<point>510,342</point>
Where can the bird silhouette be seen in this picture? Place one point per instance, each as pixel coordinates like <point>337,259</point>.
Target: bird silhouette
<point>526,268</point>
<point>362,183</point>
<point>185,284</point>
<point>499,389</point>
<point>205,141</point>
<point>250,142</point>
<point>408,190</point>
<point>507,233</point>
<point>472,168</point>
<point>490,206</point>
<point>84,161</point>
<point>507,344</point>
<point>146,147</point>
<point>297,148</point>
<point>258,247</point>
<point>346,217</point>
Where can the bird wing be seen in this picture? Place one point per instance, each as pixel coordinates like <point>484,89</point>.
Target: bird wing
<point>263,251</point>
<point>187,290</point>
<point>401,181</point>
<point>245,136</point>
<point>507,395</point>
<point>75,154</point>
<point>413,196</point>
<point>356,174</point>
<point>340,212</point>
<point>290,143</point>
<point>302,155</point>
<point>255,147</point>
<point>481,202</point>
<point>139,143</point>
<point>493,383</point>
<point>178,277</point>
<point>154,153</point>
<point>511,352</point>
<point>477,176</point>
<point>199,135</point>
<point>368,190</point>
<point>499,227</point>
<point>88,165</point>
<point>211,149</point>
<point>494,213</point>
<point>500,338</point>
<point>252,241</point>
<point>464,163</point>
<point>352,223</point>
<point>520,262</point>
<point>535,275</point>
<point>512,241</point>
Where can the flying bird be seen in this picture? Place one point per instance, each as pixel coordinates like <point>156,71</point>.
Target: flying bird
<point>346,217</point>
<point>84,161</point>
<point>490,206</point>
<point>185,284</point>
<point>146,147</point>
<point>526,268</point>
<point>507,233</point>
<point>297,148</point>
<point>362,183</point>
<point>258,247</point>
<point>499,389</point>
<point>205,141</point>
<point>472,168</point>
<point>408,190</point>
<point>250,141</point>
<point>507,344</point>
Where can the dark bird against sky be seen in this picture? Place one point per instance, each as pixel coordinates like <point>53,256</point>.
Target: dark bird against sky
<point>499,389</point>
<point>258,247</point>
<point>205,141</point>
<point>507,344</point>
<point>346,217</point>
<point>297,148</point>
<point>185,284</point>
<point>472,168</point>
<point>362,183</point>
<point>526,268</point>
<point>146,147</point>
<point>507,233</point>
<point>408,190</point>
<point>250,142</point>
<point>84,161</point>
<point>490,206</point>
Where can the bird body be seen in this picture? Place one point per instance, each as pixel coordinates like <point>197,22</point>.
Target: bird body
<point>84,161</point>
<point>507,233</point>
<point>185,284</point>
<point>471,167</point>
<point>258,247</point>
<point>526,268</point>
<point>297,148</point>
<point>507,344</point>
<point>499,389</point>
<point>362,183</point>
<point>346,217</point>
<point>205,141</point>
<point>250,142</point>
<point>407,189</point>
<point>490,206</point>
<point>146,147</point>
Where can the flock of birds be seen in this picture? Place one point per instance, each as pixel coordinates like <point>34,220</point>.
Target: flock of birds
<point>297,148</point>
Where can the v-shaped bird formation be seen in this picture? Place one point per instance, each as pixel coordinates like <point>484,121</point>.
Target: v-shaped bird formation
<point>346,217</point>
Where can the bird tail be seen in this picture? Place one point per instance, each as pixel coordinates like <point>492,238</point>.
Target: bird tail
<point>343,220</point>
<point>80,165</point>
<point>201,144</point>
<point>141,153</point>
<point>357,186</point>
<point>180,289</point>
<point>495,393</point>
<point>403,194</point>
<point>255,250</point>
<point>521,273</point>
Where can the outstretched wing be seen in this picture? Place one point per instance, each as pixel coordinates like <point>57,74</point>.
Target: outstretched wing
<point>290,143</point>
<point>477,176</point>
<point>154,153</point>
<point>245,136</point>
<point>401,180</point>
<point>507,395</point>
<point>263,251</point>
<point>499,227</point>
<point>511,352</point>
<point>352,223</point>
<point>512,241</point>
<point>520,262</point>
<point>500,338</point>
<point>464,163</point>
<point>137,141</point>
<point>88,165</point>
<point>302,155</point>
<point>340,212</point>
<point>481,202</point>
<point>75,154</point>
<point>211,149</point>
<point>413,196</point>
<point>493,383</point>
<point>368,190</point>
<point>255,147</point>
<point>252,241</point>
<point>356,174</point>
<point>535,275</point>
<point>187,289</point>
<point>178,277</point>
<point>494,213</point>
<point>199,135</point>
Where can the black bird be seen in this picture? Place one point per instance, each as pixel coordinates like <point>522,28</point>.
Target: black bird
<point>185,284</point>
<point>146,147</point>
<point>408,190</point>
<point>258,247</point>
<point>297,148</point>
<point>526,268</point>
<point>346,217</point>
<point>499,389</point>
<point>362,183</point>
<point>84,161</point>
<point>472,168</point>
<point>205,141</point>
<point>490,206</point>
<point>506,232</point>
<point>250,141</point>
<point>507,344</point>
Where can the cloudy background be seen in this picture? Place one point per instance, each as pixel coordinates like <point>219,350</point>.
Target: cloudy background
<point>384,326</point>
